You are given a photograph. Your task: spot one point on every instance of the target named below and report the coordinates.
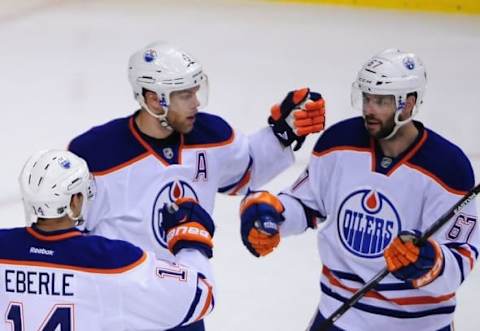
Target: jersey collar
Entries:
(58, 235)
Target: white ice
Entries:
(63, 70)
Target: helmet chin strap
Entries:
(162, 118)
(399, 123)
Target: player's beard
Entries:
(182, 127)
(386, 127)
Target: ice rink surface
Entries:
(63, 70)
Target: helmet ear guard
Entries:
(392, 72)
(163, 68)
(48, 181)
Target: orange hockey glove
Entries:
(188, 225)
(417, 265)
(301, 112)
(261, 216)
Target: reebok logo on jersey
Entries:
(42, 251)
(367, 223)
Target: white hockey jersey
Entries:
(67, 281)
(136, 174)
(365, 200)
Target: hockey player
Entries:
(53, 277)
(168, 150)
(374, 182)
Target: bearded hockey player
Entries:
(375, 183)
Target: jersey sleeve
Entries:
(254, 160)
(302, 209)
(459, 239)
(163, 295)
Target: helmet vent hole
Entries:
(40, 181)
(46, 167)
(29, 179)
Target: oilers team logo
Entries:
(367, 223)
(150, 55)
(64, 163)
(409, 63)
(168, 194)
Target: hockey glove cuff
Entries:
(408, 262)
(301, 112)
(188, 225)
(261, 216)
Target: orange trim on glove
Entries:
(190, 231)
(261, 197)
(435, 271)
(400, 254)
(262, 243)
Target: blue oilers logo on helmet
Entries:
(367, 223)
(150, 55)
(168, 194)
(64, 163)
(409, 63)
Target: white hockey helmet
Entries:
(392, 72)
(163, 68)
(48, 180)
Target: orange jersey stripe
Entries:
(410, 154)
(122, 165)
(208, 301)
(342, 148)
(420, 300)
(76, 268)
(465, 252)
(435, 178)
(145, 144)
(245, 180)
(54, 237)
(222, 143)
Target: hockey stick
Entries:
(442, 220)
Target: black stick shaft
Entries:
(371, 284)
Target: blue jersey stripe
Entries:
(379, 288)
(389, 312)
(459, 260)
(193, 306)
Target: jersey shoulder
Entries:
(107, 146)
(70, 250)
(445, 161)
(209, 130)
(349, 134)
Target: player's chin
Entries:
(185, 128)
(373, 130)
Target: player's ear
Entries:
(150, 97)
(76, 203)
(410, 104)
